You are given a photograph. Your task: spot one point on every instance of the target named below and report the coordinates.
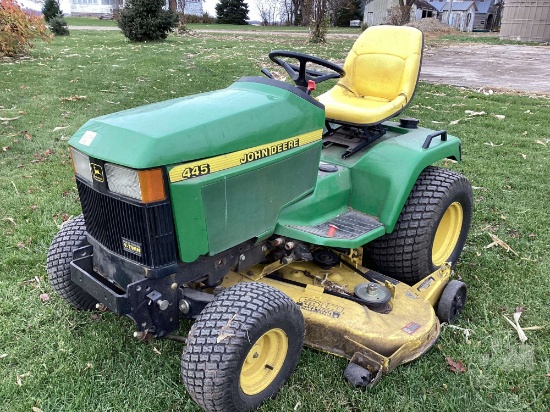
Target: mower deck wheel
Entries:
(71, 236)
(242, 348)
(357, 376)
(452, 301)
(430, 231)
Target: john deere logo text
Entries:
(97, 172)
(270, 151)
(131, 247)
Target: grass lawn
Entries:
(89, 21)
(58, 359)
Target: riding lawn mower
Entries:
(273, 219)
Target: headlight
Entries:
(123, 181)
(144, 185)
(81, 164)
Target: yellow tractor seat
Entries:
(382, 71)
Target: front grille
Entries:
(112, 221)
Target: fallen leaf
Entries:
(536, 141)
(34, 207)
(472, 113)
(156, 351)
(23, 375)
(9, 219)
(524, 133)
(44, 297)
(73, 98)
(521, 334)
(5, 148)
(36, 409)
(28, 136)
(498, 116)
(498, 242)
(455, 366)
(524, 156)
(95, 316)
(528, 112)
(88, 366)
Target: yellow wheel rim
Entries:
(447, 234)
(264, 361)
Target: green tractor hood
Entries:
(250, 112)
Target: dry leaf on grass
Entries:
(472, 113)
(497, 242)
(156, 351)
(515, 324)
(540, 142)
(35, 409)
(498, 116)
(18, 378)
(44, 297)
(9, 219)
(73, 98)
(455, 366)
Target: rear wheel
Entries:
(242, 348)
(71, 236)
(431, 229)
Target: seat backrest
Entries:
(384, 62)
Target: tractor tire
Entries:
(431, 229)
(71, 236)
(242, 348)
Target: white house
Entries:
(105, 7)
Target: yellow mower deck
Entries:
(378, 340)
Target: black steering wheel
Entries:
(299, 74)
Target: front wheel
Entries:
(70, 237)
(242, 348)
(431, 229)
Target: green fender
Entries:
(376, 182)
(383, 179)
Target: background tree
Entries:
(315, 15)
(18, 29)
(270, 11)
(344, 11)
(58, 26)
(400, 14)
(143, 20)
(232, 12)
(51, 10)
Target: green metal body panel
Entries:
(255, 199)
(215, 212)
(244, 115)
(376, 182)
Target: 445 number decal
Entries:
(195, 171)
